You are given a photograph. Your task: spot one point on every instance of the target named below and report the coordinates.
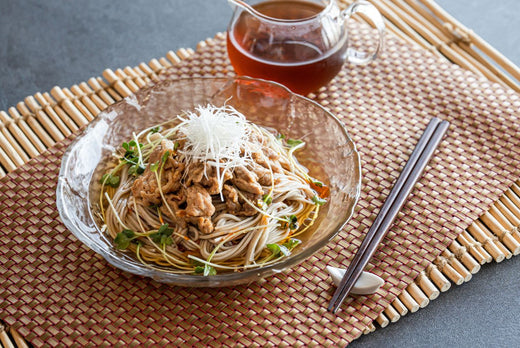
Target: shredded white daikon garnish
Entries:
(217, 136)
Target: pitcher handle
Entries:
(369, 10)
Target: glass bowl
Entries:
(330, 155)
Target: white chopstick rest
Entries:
(367, 283)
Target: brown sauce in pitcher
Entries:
(302, 63)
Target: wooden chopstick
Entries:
(413, 169)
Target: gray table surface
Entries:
(60, 42)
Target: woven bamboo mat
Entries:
(463, 213)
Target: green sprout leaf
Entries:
(318, 201)
(155, 129)
(209, 270)
(316, 183)
(294, 142)
(293, 222)
(124, 238)
(165, 229)
(136, 169)
(110, 180)
(165, 156)
(165, 240)
(274, 249)
(267, 199)
(132, 157)
(205, 270)
(290, 221)
(278, 250)
(129, 156)
(292, 243)
(163, 235)
(169, 241)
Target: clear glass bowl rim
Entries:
(223, 279)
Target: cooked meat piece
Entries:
(236, 205)
(175, 198)
(211, 181)
(171, 175)
(231, 198)
(173, 203)
(263, 174)
(246, 208)
(230, 193)
(260, 158)
(199, 201)
(203, 224)
(211, 184)
(206, 177)
(268, 160)
(195, 173)
(246, 180)
(145, 187)
(275, 157)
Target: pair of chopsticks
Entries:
(413, 169)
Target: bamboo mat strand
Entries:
(44, 119)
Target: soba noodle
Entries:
(207, 192)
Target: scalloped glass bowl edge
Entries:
(329, 151)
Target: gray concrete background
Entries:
(63, 42)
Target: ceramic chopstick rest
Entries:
(367, 284)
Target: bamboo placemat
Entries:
(491, 236)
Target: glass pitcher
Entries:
(301, 44)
